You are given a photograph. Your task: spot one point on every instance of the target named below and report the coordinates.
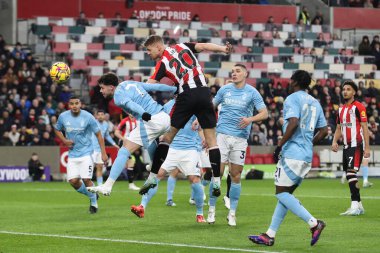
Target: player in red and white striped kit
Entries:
(122, 132)
(352, 126)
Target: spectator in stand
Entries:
(367, 4)
(365, 47)
(82, 21)
(327, 141)
(14, 135)
(36, 168)
(343, 58)
(318, 19)
(226, 19)
(336, 96)
(134, 15)
(292, 40)
(258, 40)
(256, 132)
(242, 25)
(196, 18)
(46, 139)
(285, 21)
(118, 22)
(2, 44)
(375, 40)
(149, 21)
(320, 42)
(376, 54)
(373, 92)
(304, 16)
(229, 39)
(249, 57)
(18, 50)
(270, 25)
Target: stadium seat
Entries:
(271, 50)
(336, 68)
(267, 58)
(41, 30)
(309, 35)
(111, 46)
(349, 74)
(95, 62)
(93, 30)
(287, 28)
(131, 64)
(268, 159)
(195, 25)
(76, 29)
(275, 67)
(236, 34)
(42, 21)
(141, 32)
(227, 26)
(119, 39)
(217, 41)
(61, 47)
(79, 64)
(204, 33)
(165, 24)
(255, 73)
(100, 22)
(60, 29)
(133, 23)
(228, 65)
(278, 43)
(145, 63)
(257, 159)
(128, 47)
(257, 27)
(86, 38)
(309, 67)
(138, 55)
(203, 57)
(355, 67)
(291, 65)
(366, 68)
(260, 65)
(316, 28)
(78, 46)
(95, 47)
(110, 31)
(333, 51)
(96, 70)
(68, 22)
(247, 42)
(321, 66)
(60, 37)
(212, 65)
(79, 54)
(223, 73)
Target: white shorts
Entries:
(187, 161)
(97, 157)
(232, 149)
(146, 132)
(80, 167)
(205, 159)
(290, 172)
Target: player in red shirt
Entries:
(180, 64)
(122, 132)
(352, 126)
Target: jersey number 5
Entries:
(181, 65)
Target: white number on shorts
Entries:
(350, 161)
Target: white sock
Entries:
(217, 180)
(312, 222)
(211, 209)
(271, 233)
(354, 204)
(233, 212)
(109, 182)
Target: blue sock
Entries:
(82, 189)
(365, 172)
(99, 180)
(171, 186)
(151, 150)
(197, 189)
(234, 195)
(278, 216)
(212, 198)
(146, 197)
(119, 163)
(294, 205)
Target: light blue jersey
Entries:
(106, 135)
(133, 97)
(236, 104)
(186, 138)
(310, 114)
(79, 129)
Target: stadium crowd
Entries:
(30, 102)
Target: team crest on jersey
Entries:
(364, 115)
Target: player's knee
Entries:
(75, 182)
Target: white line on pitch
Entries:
(138, 242)
(242, 194)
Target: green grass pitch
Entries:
(52, 217)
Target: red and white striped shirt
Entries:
(126, 126)
(349, 118)
(180, 65)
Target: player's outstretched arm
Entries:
(322, 133)
(337, 135)
(227, 49)
(159, 87)
(102, 146)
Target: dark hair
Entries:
(241, 66)
(100, 110)
(352, 84)
(152, 39)
(302, 78)
(74, 97)
(109, 78)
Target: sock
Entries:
(197, 189)
(355, 204)
(170, 188)
(92, 196)
(208, 175)
(365, 173)
(277, 218)
(205, 182)
(131, 175)
(352, 183)
(146, 197)
(234, 196)
(214, 155)
(228, 185)
(212, 198)
(119, 164)
(152, 149)
(294, 205)
(99, 180)
(159, 157)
